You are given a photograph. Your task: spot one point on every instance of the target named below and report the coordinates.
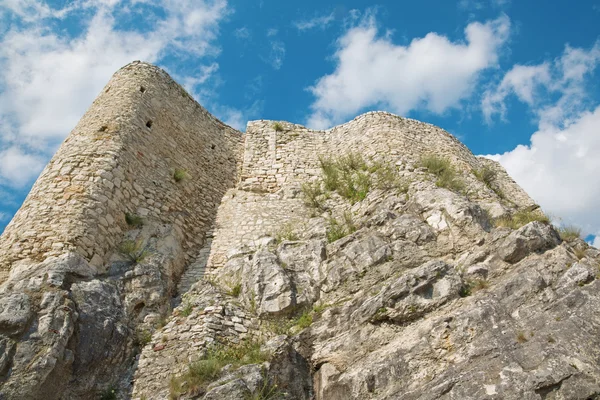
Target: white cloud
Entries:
(242, 33)
(277, 54)
(320, 22)
(521, 80)
(559, 168)
(481, 4)
(49, 79)
(4, 217)
(430, 73)
(18, 168)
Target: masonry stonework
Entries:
(121, 158)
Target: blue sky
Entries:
(516, 80)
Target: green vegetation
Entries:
(134, 251)
(180, 174)
(339, 229)
(235, 290)
(268, 391)
(521, 337)
(109, 394)
(579, 252)
(187, 309)
(302, 319)
(314, 197)
(473, 285)
(278, 127)
(142, 337)
(569, 233)
(521, 218)
(488, 177)
(446, 174)
(134, 220)
(287, 231)
(203, 372)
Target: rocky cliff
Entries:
(162, 254)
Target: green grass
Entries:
(520, 218)
(314, 197)
(187, 309)
(109, 394)
(206, 370)
(339, 229)
(446, 174)
(569, 233)
(486, 175)
(134, 251)
(235, 290)
(180, 174)
(134, 220)
(288, 232)
(142, 337)
(278, 127)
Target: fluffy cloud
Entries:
(559, 168)
(49, 78)
(430, 73)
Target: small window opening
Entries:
(149, 123)
(212, 146)
(103, 128)
(142, 89)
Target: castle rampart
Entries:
(121, 158)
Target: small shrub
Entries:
(235, 290)
(278, 127)
(520, 218)
(305, 320)
(579, 252)
(446, 174)
(434, 164)
(387, 178)
(134, 220)
(142, 337)
(187, 309)
(313, 195)
(180, 174)
(134, 251)
(486, 175)
(208, 369)
(287, 231)
(569, 233)
(339, 229)
(330, 173)
(268, 391)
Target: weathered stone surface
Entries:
(419, 296)
(532, 237)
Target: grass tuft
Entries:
(314, 197)
(134, 220)
(446, 174)
(288, 232)
(208, 369)
(180, 174)
(569, 233)
(520, 218)
(134, 251)
(339, 229)
(278, 127)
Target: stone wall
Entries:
(121, 158)
(277, 162)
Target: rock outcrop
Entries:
(377, 260)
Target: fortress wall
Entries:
(273, 158)
(119, 159)
(285, 159)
